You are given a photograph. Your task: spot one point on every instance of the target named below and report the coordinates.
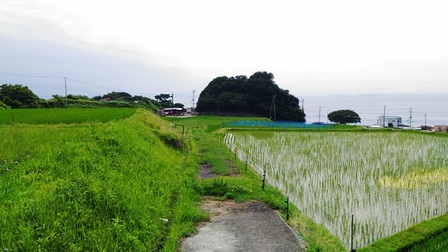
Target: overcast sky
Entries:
(151, 47)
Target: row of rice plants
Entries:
(388, 181)
(68, 116)
(94, 187)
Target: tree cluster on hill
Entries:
(257, 95)
(17, 96)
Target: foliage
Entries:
(163, 100)
(172, 140)
(118, 96)
(18, 96)
(437, 243)
(178, 105)
(344, 116)
(94, 187)
(224, 188)
(3, 106)
(256, 95)
(426, 236)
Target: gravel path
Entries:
(248, 226)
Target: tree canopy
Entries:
(258, 95)
(344, 116)
(116, 96)
(164, 100)
(18, 96)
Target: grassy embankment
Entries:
(110, 184)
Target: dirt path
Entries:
(247, 226)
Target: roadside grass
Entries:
(112, 186)
(67, 116)
(428, 235)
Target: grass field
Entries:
(123, 185)
(67, 116)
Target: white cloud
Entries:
(312, 47)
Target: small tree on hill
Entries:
(344, 116)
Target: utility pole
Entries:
(275, 116)
(410, 117)
(192, 109)
(172, 98)
(65, 81)
(425, 119)
(384, 116)
(303, 105)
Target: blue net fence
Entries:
(278, 124)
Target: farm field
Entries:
(67, 116)
(388, 181)
(121, 183)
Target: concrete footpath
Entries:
(247, 226)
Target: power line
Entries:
(33, 76)
(90, 84)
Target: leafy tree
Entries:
(257, 94)
(164, 100)
(344, 116)
(18, 96)
(178, 105)
(76, 97)
(118, 96)
(57, 102)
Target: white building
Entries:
(389, 121)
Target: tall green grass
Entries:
(112, 186)
(67, 116)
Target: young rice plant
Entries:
(388, 181)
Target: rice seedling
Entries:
(388, 181)
(67, 116)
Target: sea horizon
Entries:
(423, 109)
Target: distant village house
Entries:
(390, 121)
(441, 128)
